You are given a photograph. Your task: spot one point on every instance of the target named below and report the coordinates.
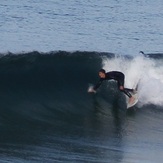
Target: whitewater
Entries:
(145, 72)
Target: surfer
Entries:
(117, 76)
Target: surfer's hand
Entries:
(91, 90)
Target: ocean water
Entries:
(123, 27)
(51, 52)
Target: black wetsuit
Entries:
(119, 77)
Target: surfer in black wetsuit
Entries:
(115, 75)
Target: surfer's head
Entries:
(102, 73)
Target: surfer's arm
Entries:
(98, 85)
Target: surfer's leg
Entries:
(129, 90)
(120, 83)
(126, 92)
(133, 91)
(131, 98)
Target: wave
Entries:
(46, 86)
(51, 86)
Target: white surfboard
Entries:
(133, 102)
(135, 95)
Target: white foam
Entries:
(148, 72)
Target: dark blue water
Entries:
(46, 114)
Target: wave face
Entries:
(44, 95)
(56, 80)
(59, 80)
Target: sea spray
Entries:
(147, 72)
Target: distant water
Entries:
(123, 27)
(50, 52)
